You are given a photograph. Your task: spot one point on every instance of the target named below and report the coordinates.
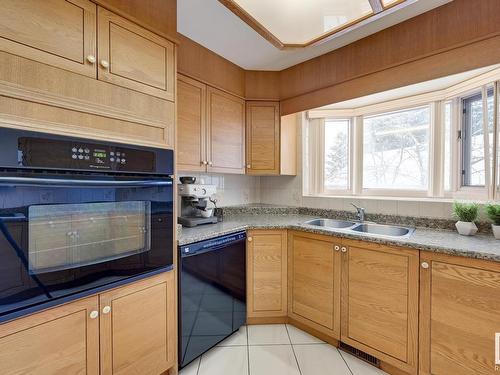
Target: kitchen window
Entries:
(396, 150)
(337, 155)
(435, 145)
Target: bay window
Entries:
(435, 145)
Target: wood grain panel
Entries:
(266, 273)
(158, 16)
(38, 117)
(288, 144)
(263, 138)
(226, 132)
(63, 340)
(191, 124)
(460, 301)
(137, 336)
(314, 282)
(56, 32)
(198, 62)
(31, 81)
(137, 58)
(380, 302)
(262, 85)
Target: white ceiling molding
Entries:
(215, 27)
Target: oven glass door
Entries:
(63, 236)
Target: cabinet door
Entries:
(266, 273)
(380, 302)
(55, 32)
(191, 125)
(226, 132)
(63, 340)
(263, 138)
(459, 315)
(133, 57)
(314, 282)
(138, 333)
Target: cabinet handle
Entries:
(336, 247)
(106, 309)
(425, 265)
(94, 314)
(105, 64)
(250, 239)
(344, 249)
(91, 59)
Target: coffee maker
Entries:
(197, 205)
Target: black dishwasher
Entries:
(212, 293)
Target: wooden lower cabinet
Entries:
(314, 282)
(380, 302)
(266, 274)
(60, 341)
(128, 330)
(459, 315)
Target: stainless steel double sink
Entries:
(364, 227)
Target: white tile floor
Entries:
(277, 349)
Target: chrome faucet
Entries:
(360, 212)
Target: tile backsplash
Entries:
(232, 189)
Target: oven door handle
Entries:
(88, 183)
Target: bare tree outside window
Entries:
(396, 150)
(336, 172)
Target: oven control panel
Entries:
(50, 153)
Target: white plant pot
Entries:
(466, 228)
(496, 231)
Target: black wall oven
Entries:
(78, 217)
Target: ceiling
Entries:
(211, 24)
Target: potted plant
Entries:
(466, 214)
(493, 212)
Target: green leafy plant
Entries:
(493, 212)
(466, 211)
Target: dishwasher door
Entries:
(212, 293)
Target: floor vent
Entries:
(360, 354)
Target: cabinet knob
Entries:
(106, 309)
(105, 64)
(210, 163)
(94, 314)
(344, 249)
(91, 59)
(336, 247)
(425, 265)
(249, 166)
(204, 162)
(250, 239)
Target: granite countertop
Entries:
(442, 241)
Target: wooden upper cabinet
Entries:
(380, 302)
(138, 327)
(60, 341)
(263, 138)
(266, 273)
(133, 57)
(191, 124)
(314, 281)
(54, 32)
(459, 315)
(226, 132)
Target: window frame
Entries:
(436, 101)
